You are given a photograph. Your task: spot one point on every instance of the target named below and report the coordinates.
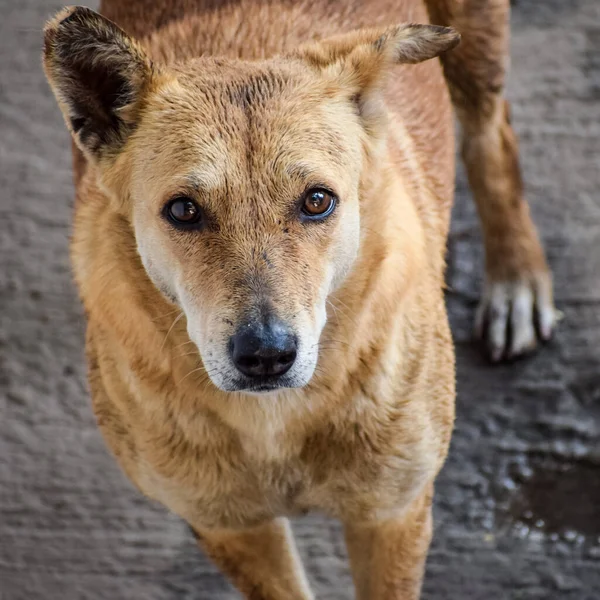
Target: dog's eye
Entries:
(318, 203)
(183, 211)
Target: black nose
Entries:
(263, 349)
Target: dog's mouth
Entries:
(262, 386)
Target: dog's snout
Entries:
(264, 349)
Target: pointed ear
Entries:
(99, 76)
(361, 60)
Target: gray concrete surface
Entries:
(518, 503)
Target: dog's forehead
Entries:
(238, 95)
(219, 85)
(223, 118)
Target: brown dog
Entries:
(263, 200)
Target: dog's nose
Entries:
(263, 349)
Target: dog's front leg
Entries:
(388, 556)
(517, 305)
(261, 562)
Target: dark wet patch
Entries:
(556, 497)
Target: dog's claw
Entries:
(512, 316)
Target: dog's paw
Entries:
(513, 316)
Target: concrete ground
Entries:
(518, 503)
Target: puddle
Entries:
(559, 498)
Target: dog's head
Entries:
(241, 180)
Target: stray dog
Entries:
(263, 200)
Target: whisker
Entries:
(184, 344)
(348, 312)
(345, 305)
(200, 368)
(334, 308)
(339, 342)
(165, 315)
(329, 341)
(328, 347)
(189, 354)
(170, 329)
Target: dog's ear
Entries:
(361, 60)
(99, 76)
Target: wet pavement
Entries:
(518, 502)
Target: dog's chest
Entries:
(227, 487)
(253, 480)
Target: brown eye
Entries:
(183, 212)
(318, 203)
